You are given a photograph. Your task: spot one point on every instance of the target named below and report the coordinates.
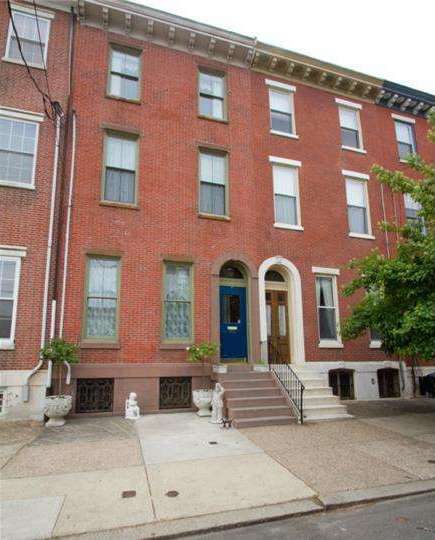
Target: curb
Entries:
(349, 498)
(234, 519)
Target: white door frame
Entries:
(296, 319)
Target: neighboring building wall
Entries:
(25, 212)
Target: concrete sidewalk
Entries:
(171, 473)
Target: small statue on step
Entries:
(132, 411)
(226, 422)
(217, 404)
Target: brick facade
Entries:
(165, 225)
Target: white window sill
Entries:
(403, 161)
(352, 149)
(283, 134)
(288, 227)
(16, 185)
(363, 236)
(330, 344)
(375, 344)
(7, 346)
(21, 63)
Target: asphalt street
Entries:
(410, 518)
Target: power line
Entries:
(41, 49)
(51, 108)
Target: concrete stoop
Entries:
(253, 399)
(319, 402)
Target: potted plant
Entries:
(59, 352)
(202, 396)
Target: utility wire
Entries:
(41, 49)
(52, 108)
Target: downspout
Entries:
(387, 241)
(48, 259)
(68, 225)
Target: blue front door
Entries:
(233, 322)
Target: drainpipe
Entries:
(48, 259)
(387, 242)
(68, 226)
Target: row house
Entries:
(210, 187)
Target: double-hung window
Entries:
(404, 136)
(350, 125)
(33, 36)
(18, 145)
(212, 95)
(412, 211)
(286, 192)
(124, 74)
(213, 181)
(177, 302)
(10, 264)
(281, 103)
(120, 169)
(327, 306)
(357, 204)
(102, 299)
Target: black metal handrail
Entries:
(292, 385)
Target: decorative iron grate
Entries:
(175, 393)
(94, 395)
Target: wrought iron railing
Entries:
(292, 385)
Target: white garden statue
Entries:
(132, 411)
(217, 404)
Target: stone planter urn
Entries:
(56, 407)
(202, 399)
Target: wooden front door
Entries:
(277, 327)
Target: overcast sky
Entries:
(389, 39)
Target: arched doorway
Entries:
(279, 286)
(388, 383)
(277, 317)
(233, 311)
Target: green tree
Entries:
(398, 297)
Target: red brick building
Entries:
(212, 188)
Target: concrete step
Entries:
(232, 368)
(325, 418)
(318, 391)
(324, 411)
(258, 412)
(248, 375)
(256, 401)
(252, 392)
(263, 421)
(314, 400)
(314, 383)
(248, 383)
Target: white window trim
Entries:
(283, 134)
(280, 85)
(30, 118)
(290, 90)
(325, 271)
(375, 344)
(362, 177)
(285, 161)
(348, 104)
(331, 273)
(278, 225)
(359, 150)
(29, 12)
(14, 253)
(403, 118)
(356, 107)
(295, 165)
